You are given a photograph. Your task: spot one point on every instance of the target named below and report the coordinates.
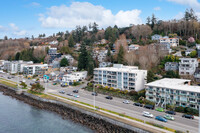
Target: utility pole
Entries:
(94, 94)
(199, 117)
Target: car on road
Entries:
(160, 109)
(188, 116)
(160, 118)
(9, 77)
(171, 112)
(138, 104)
(109, 97)
(148, 106)
(94, 94)
(77, 96)
(54, 83)
(75, 91)
(62, 92)
(69, 94)
(126, 102)
(169, 117)
(147, 114)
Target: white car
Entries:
(126, 102)
(147, 114)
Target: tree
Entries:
(150, 76)
(94, 28)
(120, 55)
(5, 38)
(108, 55)
(24, 85)
(171, 74)
(17, 56)
(153, 21)
(148, 21)
(71, 41)
(64, 62)
(38, 88)
(90, 64)
(82, 60)
(193, 54)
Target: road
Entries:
(117, 105)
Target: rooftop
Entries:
(177, 84)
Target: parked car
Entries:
(62, 92)
(188, 116)
(138, 104)
(171, 112)
(160, 109)
(9, 77)
(169, 117)
(126, 101)
(69, 94)
(94, 94)
(148, 106)
(160, 118)
(147, 114)
(54, 83)
(109, 97)
(77, 96)
(75, 91)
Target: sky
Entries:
(24, 18)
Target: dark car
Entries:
(37, 82)
(9, 77)
(160, 118)
(171, 112)
(148, 106)
(62, 92)
(75, 91)
(138, 104)
(109, 97)
(188, 116)
(69, 94)
(94, 94)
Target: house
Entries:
(173, 91)
(100, 55)
(52, 52)
(187, 66)
(171, 66)
(133, 47)
(53, 42)
(198, 50)
(121, 77)
(178, 54)
(74, 77)
(103, 41)
(69, 58)
(105, 64)
(156, 37)
(174, 42)
(55, 64)
(188, 51)
(197, 75)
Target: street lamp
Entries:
(94, 93)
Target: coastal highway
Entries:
(117, 105)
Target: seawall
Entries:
(96, 122)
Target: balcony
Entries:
(193, 102)
(192, 96)
(148, 94)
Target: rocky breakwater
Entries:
(96, 122)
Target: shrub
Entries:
(133, 93)
(179, 109)
(38, 88)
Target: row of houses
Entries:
(172, 42)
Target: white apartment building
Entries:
(35, 69)
(121, 77)
(177, 92)
(14, 67)
(187, 66)
(74, 77)
(174, 42)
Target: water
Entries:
(18, 117)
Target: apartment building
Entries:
(187, 66)
(52, 52)
(171, 91)
(174, 42)
(121, 77)
(14, 67)
(35, 69)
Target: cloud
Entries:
(13, 26)
(83, 13)
(20, 33)
(180, 15)
(191, 3)
(2, 28)
(34, 4)
(156, 8)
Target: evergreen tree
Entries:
(5, 38)
(82, 60)
(94, 28)
(64, 62)
(153, 21)
(108, 55)
(120, 55)
(150, 76)
(17, 56)
(90, 64)
(71, 41)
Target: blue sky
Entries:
(20, 18)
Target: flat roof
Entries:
(177, 84)
(123, 69)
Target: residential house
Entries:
(74, 77)
(105, 64)
(121, 77)
(187, 66)
(133, 47)
(171, 66)
(53, 54)
(174, 42)
(156, 37)
(188, 51)
(69, 58)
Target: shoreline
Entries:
(94, 121)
